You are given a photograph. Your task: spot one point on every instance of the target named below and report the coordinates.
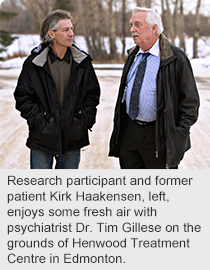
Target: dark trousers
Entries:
(137, 150)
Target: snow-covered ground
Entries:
(25, 43)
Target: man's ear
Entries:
(154, 28)
(51, 34)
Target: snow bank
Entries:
(201, 65)
(23, 44)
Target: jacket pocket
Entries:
(46, 130)
(78, 128)
(181, 132)
(178, 146)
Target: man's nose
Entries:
(132, 29)
(71, 33)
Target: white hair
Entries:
(152, 18)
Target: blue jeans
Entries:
(42, 160)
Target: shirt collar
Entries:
(155, 50)
(54, 57)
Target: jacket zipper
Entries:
(166, 109)
(56, 111)
(156, 124)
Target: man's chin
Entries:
(69, 43)
(135, 41)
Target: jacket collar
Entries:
(77, 54)
(166, 52)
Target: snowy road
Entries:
(15, 155)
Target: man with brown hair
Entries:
(57, 93)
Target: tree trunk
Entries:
(148, 3)
(84, 29)
(112, 34)
(164, 18)
(181, 32)
(139, 3)
(176, 20)
(123, 28)
(144, 3)
(169, 21)
(197, 30)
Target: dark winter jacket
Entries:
(177, 104)
(52, 129)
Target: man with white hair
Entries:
(157, 102)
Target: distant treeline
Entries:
(95, 19)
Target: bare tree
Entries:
(197, 30)
(38, 10)
(164, 17)
(144, 3)
(169, 21)
(176, 21)
(123, 27)
(84, 28)
(139, 3)
(96, 27)
(95, 15)
(112, 33)
(99, 20)
(181, 31)
(90, 20)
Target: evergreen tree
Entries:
(5, 37)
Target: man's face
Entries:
(64, 34)
(143, 35)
